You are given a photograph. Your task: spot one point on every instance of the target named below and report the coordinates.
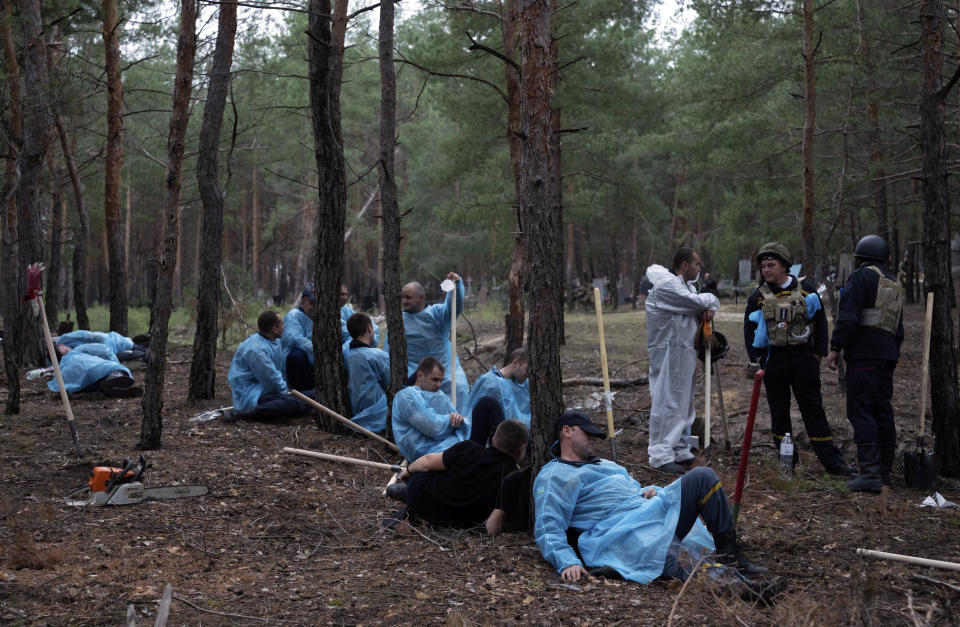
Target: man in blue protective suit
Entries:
(427, 330)
(297, 342)
(94, 368)
(869, 333)
(123, 347)
(674, 309)
(425, 421)
(369, 377)
(345, 312)
(785, 331)
(508, 386)
(639, 533)
(256, 375)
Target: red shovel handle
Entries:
(747, 438)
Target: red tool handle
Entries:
(34, 282)
(747, 438)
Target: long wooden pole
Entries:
(56, 371)
(453, 346)
(723, 411)
(925, 370)
(345, 421)
(708, 377)
(747, 439)
(342, 459)
(909, 559)
(607, 397)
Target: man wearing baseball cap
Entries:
(637, 532)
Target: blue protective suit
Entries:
(428, 335)
(85, 365)
(345, 312)
(257, 368)
(368, 371)
(117, 343)
(760, 337)
(298, 333)
(421, 422)
(514, 398)
(621, 529)
(672, 308)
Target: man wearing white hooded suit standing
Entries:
(674, 309)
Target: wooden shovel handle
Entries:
(925, 366)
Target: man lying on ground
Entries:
(424, 420)
(123, 347)
(93, 368)
(468, 484)
(256, 375)
(638, 533)
(369, 375)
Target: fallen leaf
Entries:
(491, 580)
(528, 600)
(422, 595)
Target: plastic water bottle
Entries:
(786, 457)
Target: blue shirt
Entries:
(258, 367)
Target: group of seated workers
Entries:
(90, 362)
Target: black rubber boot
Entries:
(397, 491)
(730, 554)
(832, 460)
(868, 480)
(887, 457)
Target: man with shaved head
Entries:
(428, 333)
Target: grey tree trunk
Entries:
(79, 262)
(809, 125)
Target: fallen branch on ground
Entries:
(614, 383)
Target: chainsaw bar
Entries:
(130, 494)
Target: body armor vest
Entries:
(786, 317)
(886, 309)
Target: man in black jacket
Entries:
(869, 333)
(785, 330)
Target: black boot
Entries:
(868, 480)
(887, 457)
(397, 491)
(832, 460)
(730, 554)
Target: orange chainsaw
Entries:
(124, 486)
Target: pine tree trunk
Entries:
(945, 404)
(79, 266)
(112, 169)
(809, 124)
(151, 428)
(325, 53)
(51, 301)
(541, 220)
(877, 170)
(255, 231)
(203, 370)
(389, 209)
(515, 316)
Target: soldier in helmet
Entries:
(785, 330)
(869, 333)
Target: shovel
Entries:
(448, 286)
(920, 465)
(747, 439)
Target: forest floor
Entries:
(285, 539)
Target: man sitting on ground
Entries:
(256, 375)
(424, 420)
(508, 386)
(93, 368)
(297, 341)
(468, 484)
(369, 378)
(626, 529)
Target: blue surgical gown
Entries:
(513, 397)
(86, 364)
(421, 422)
(257, 368)
(117, 343)
(428, 335)
(345, 312)
(298, 333)
(621, 528)
(369, 377)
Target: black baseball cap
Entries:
(578, 419)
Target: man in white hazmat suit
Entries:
(673, 309)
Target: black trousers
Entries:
(795, 369)
(300, 373)
(869, 396)
(486, 415)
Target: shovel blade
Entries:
(920, 468)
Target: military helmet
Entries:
(775, 250)
(872, 247)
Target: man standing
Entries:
(256, 374)
(297, 341)
(639, 533)
(869, 333)
(369, 375)
(508, 386)
(427, 331)
(785, 330)
(673, 307)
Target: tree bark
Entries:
(151, 428)
(877, 170)
(541, 220)
(202, 369)
(325, 53)
(389, 209)
(80, 242)
(113, 167)
(515, 317)
(51, 302)
(945, 403)
(809, 123)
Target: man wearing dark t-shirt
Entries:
(467, 484)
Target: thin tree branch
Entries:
(448, 75)
(491, 51)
